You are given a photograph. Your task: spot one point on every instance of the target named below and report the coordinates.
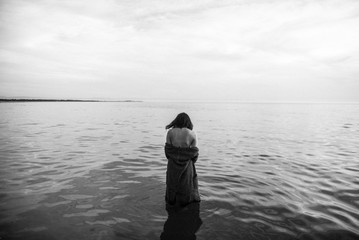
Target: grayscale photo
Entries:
(179, 120)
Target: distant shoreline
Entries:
(62, 100)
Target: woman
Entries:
(182, 152)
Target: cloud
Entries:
(249, 50)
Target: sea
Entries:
(97, 170)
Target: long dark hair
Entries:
(182, 120)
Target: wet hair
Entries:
(182, 120)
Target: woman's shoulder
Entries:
(181, 130)
(190, 132)
(193, 134)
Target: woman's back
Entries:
(181, 137)
(182, 152)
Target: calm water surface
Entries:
(97, 171)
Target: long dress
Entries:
(181, 176)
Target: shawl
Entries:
(181, 175)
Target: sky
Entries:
(205, 50)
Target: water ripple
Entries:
(100, 170)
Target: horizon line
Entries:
(16, 99)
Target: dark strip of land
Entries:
(62, 100)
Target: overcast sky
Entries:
(250, 50)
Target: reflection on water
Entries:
(97, 171)
(182, 222)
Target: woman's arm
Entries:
(168, 137)
(194, 141)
